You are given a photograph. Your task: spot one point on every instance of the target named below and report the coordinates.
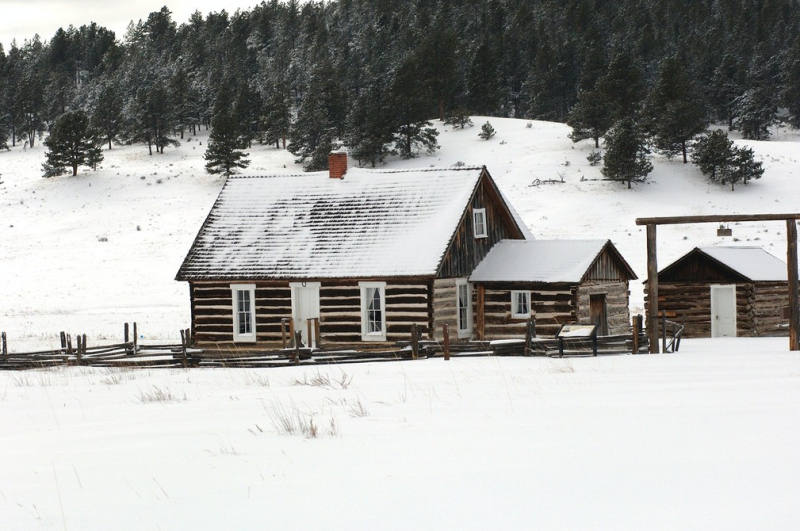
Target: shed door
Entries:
(723, 311)
(305, 306)
(597, 313)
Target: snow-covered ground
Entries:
(703, 439)
(85, 254)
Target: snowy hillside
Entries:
(86, 254)
(702, 439)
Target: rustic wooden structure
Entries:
(791, 264)
(562, 281)
(368, 254)
(757, 279)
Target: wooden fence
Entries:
(131, 353)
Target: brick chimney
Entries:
(337, 164)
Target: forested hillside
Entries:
(371, 74)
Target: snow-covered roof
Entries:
(369, 224)
(539, 261)
(751, 262)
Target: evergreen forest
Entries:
(372, 74)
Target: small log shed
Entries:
(556, 282)
(726, 292)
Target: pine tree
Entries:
(712, 154)
(225, 143)
(72, 143)
(623, 87)
(107, 115)
(591, 116)
(757, 108)
(673, 112)
(277, 117)
(724, 163)
(627, 155)
(745, 167)
(369, 131)
(459, 118)
(407, 111)
(791, 82)
(487, 131)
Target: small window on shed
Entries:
(479, 223)
(520, 304)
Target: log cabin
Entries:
(726, 292)
(365, 253)
(554, 281)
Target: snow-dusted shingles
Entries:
(538, 261)
(369, 224)
(752, 262)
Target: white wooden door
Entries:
(305, 306)
(723, 311)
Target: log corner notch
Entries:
(791, 254)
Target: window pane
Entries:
(374, 311)
(463, 307)
(244, 311)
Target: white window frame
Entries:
(251, 336)
(372, 336)
(514, 300)
(463, 333)
(476, 214)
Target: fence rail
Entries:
(131, 353)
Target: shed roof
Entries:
(369, 224)
(753, 263)
(543, 261)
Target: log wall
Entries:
(769, 300)
(466, 251)
(407, 302)
(617, 304)
(552, 305)
(693, 300)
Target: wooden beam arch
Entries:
(791, 259)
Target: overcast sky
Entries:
(22, 19)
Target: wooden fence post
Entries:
(297, 340)
(414, 342)
(664, 331)
(63, 343)
(283, 331)
(135, 339)
(78, 357)
(530, 333)
(309, 327)
(69, 345)
(446, 342)
(3, 346)
(127, 340)
(184, 360)
(316, 332)
(637, 324)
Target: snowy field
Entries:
(704, 439)
(86, 254)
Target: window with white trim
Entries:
(463, 308)
(244, 312)
(520, 304)
(373, 311)
(479, 223)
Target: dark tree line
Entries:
(372, 75)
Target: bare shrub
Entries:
(357, 409)
(157, 394)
